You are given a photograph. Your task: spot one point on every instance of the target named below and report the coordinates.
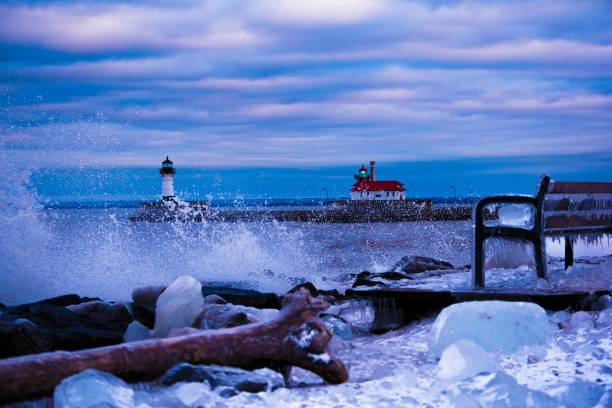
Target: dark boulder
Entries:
(214, 300)
(306, 285)
(48, 325)
(403, 269)
(392, 275)
(18, 335)
(143, 304)
(330, 295)
(415, 264)
(365, 279)
(144, 300)
(219, 316)
(232, 380)
(244, 297)
(100, 310)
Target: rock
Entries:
(391, 275)
(97, 309)
(93, 389)
(415, 264)
(136, 331)
(64, 300)
(143, 304)
(407, 266)
(314, 291)
(52, 326)
(218, 316)
(337, 325)
(231, 380)
(178, 305)
(21, 336)
(147, 295)
(493, 325)
(306, 285)
(464, 359)
(244, 297)
(214, 300)
(365, 279)
(604, 302)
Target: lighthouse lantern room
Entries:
(167, 172)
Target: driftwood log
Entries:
(297, 337)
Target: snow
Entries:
(178, 305)
(464, 359)
(320, 358)
(493, 325)
(304, 337)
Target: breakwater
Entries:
(335, 212)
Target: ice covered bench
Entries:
(560, 208)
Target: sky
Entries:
(468, 93)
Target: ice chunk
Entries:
(581, 320)
(493, 325)
(516, 215)
(190, 393)
(93, 388)
(581, 394)
(512, 215)
(338, 326)
(605, 318)
(464, 359)
(178, 305)
(136, 331)
(502, 390)
(508, 253)
(562, 316)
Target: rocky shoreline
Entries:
(70, 322)
(185, 308)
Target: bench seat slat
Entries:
(575, 221)
(579, 187)
(579, 203)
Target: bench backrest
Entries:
(576, 207)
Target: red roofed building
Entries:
(368, 188)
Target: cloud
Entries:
(256, 83)
(318, 12)
(99, 27)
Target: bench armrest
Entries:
(478, 211)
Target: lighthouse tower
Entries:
(167, 171)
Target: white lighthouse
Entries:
(167, 171)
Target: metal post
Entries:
(569, 252)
